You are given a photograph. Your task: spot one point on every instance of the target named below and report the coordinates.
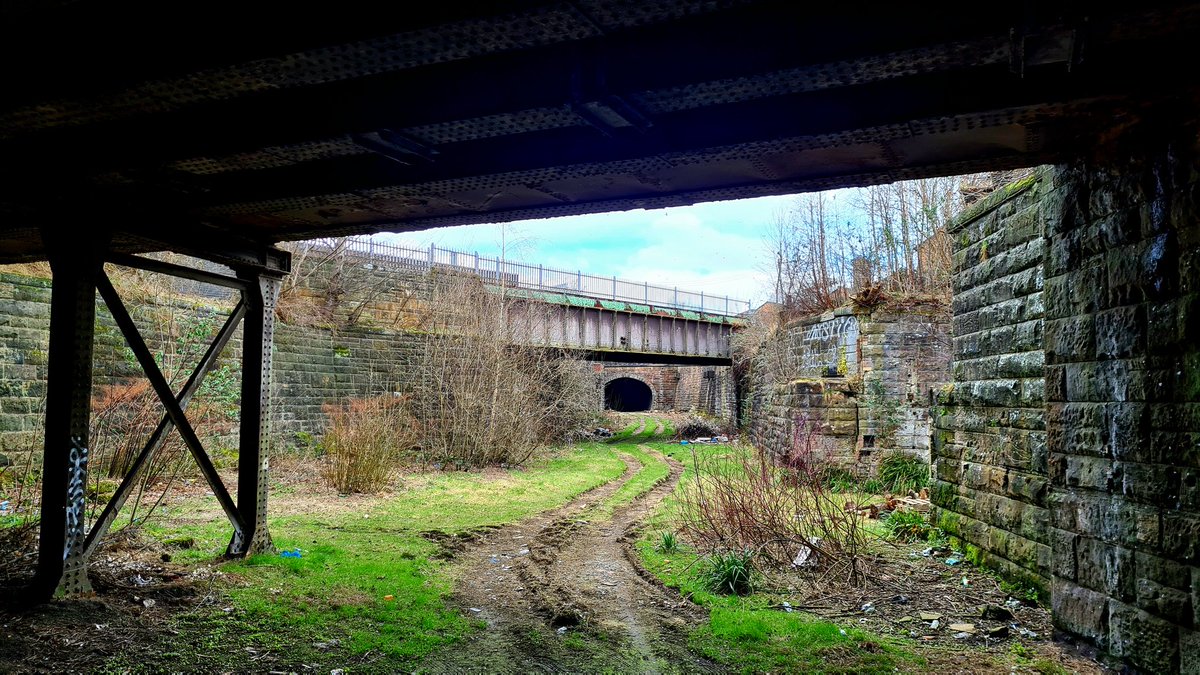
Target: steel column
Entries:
(62, 566)
(257, 337)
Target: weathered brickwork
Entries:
(315, 366)
(703, 389)
(990, 444)
(862, 380)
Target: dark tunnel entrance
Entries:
(626, 394)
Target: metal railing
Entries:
(542, 278)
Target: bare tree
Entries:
(892, 240)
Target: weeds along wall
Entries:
(863, 379)
(312, 364)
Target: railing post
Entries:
(701, 301)
(432, 249)
(727, 304)
(539, 276)
(578, 280)
(646, 291)
(614, 294)
(676, 296)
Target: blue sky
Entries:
(720, 248)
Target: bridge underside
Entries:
(272, 127)
(239, 127)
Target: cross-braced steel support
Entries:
(65, 543)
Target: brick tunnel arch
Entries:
(628, 394)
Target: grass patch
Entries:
(372, 582)
(651, 472)
(756, 641)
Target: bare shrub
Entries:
(697, 427)
(781, 510)
(494, 390)
(365, 440)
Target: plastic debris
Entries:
(842, 631)
(4, 506)
(476, 610)
(787, 606)
(294, 553)
(389, 597)
(805, 555)
(683, 443)
(935, 624)
(952, 561)
(868, 607)
(900, 599)
(149, 602)
(562, 630)
(961, 635)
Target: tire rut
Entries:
(564, 592)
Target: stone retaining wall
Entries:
(990, 446)
(863, 381)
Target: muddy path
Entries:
(561, 592)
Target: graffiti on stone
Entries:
(825, 345)
(76, 493)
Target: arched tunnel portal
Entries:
(626, 394)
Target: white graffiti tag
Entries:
(76, 482)
(824, 345)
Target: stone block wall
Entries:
(863, 381)
(1122, 304)
(1068, 448)
(315, 366)
(990, 470)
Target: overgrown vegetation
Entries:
(730, 572)
(489, 394)
(780, 509)
(907, 526)
(365, 440)
(902, 473)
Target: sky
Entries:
(720, 248)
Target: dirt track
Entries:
(560, 593)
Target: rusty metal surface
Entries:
(279, 127)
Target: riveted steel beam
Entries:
(61, 567)
(257, 336)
